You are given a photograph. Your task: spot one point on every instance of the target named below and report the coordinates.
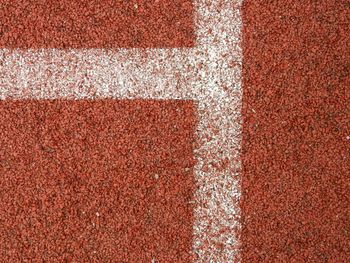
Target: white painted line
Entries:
(210, 73)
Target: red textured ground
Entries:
(112, 180)
(296, 134)
(96, 24)
(96, 181)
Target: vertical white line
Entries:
(219, 132)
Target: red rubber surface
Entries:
(96, 181)
(96, 24)
(296, 132)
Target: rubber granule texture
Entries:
(296, 134)
(96, 24)
(96, 181)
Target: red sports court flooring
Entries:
(174, 131)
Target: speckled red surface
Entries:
(296, 131)
(96, 24)
(112, 181)
(96, 181)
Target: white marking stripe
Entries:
(210, 73)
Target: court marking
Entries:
(210, 74)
